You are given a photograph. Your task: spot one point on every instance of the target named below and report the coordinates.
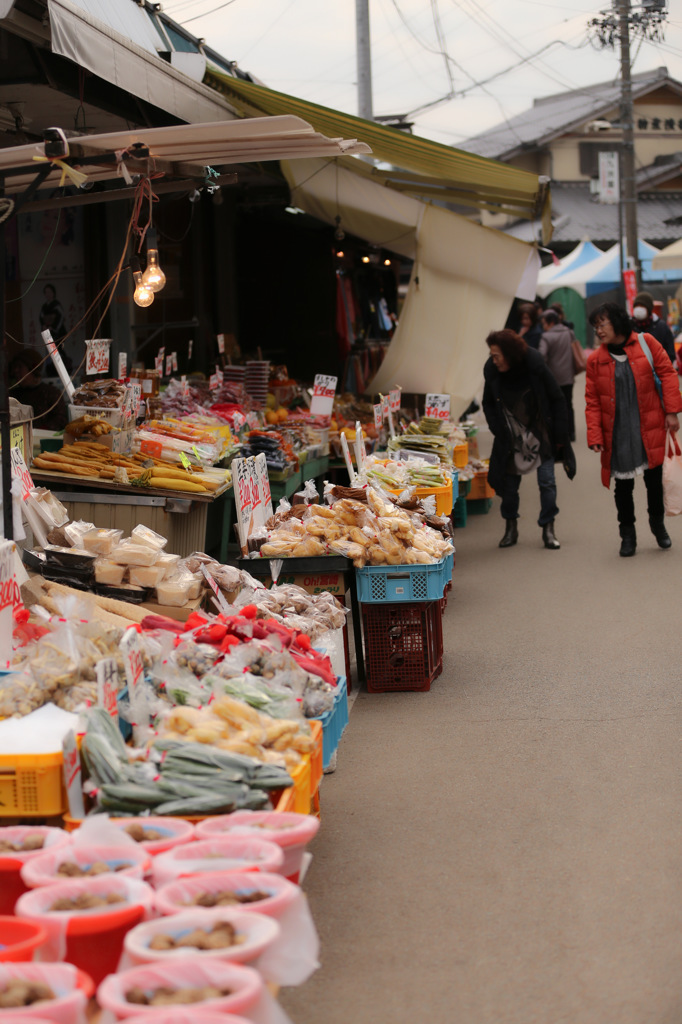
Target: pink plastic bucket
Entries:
(290, 831)
(90, 939)
(255, 934)
(11, 883)
(65, 982)
(227, 853)
(175, 897)
(174, 832)
(184, 1015)
(43, 870)
(245, 985)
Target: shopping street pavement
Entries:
(507, 849)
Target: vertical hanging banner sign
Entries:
(437, 407)
(97, 356)
(324, 389)
(630, 285)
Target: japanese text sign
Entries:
(107, 686)
(395, 399)
(378, 415)
(221, 343)
(9, 597)
(97, 356)
(122, 365)
(134, 669)
(324, 389)
(20, 472)
(438, 407)
(72, 775)
(216, 589)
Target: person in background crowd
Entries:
(558, 308)
(627, 420)
(49, 407)
(526, 413)
(530, 328)
(644, 319)
(555, 348)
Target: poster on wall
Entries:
(50, 250)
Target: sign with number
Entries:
(395, 399)
(324, 389)
(72, 775)
(378, 415)
(385, 406)
(438, 407)
(174, 357)
(122, 365)
(185, 385)
(169, 365)
(107, 686)
(214, 382)
(247, 498)
(97, 356)
(158, 366)
(221, 343)
(136, 397)
(20, 472)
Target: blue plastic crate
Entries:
(334, 722)
(459, 514)
(391, 584)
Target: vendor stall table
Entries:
(284, 488)
(177, 515)
(325, 564)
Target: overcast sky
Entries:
(307, 48)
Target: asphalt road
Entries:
(507, 847)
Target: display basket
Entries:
(403, 645)
(31, 785)
(480, 488)
(389, 584)
(459, 513)
(117, 417)
(460, 455)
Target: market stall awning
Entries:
(180, 150)
(464, 278)
(427, 169)
(669, 258)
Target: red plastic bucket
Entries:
(19, 939)
(71, 989)
(178, 1015)
(92, 940)
(43, 870)
(11, 884)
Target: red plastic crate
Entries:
(403, 645)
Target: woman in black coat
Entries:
(527, 415)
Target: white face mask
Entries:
(640, 313)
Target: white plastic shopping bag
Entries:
(672, 476)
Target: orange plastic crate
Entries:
(480, 488)
(461, 455)
(31, 785)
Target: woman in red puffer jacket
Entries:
(627, 420)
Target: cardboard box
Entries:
(313, 583)
(119, 441)
(179, 614)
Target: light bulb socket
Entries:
(152, 242)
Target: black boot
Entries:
(511, 534)
(659, 531)
(548, 538)
(628, 544)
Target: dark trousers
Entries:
(568, 395)
(625, 500)
(509, 507)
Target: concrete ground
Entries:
(507, 847)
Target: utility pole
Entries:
(364, 59)
(628, 182)
(645, 20)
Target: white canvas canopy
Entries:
(669, 258)
(463, 282)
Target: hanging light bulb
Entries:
(340, 253)
(153, 277)
(339, 233)
(387, 263)
(365, 259)
(143, 295)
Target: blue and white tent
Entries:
(604, 273)
(551, 276)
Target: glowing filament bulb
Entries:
(154, 277)
(143, 295)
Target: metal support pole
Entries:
(627, 117)
(364, 59)
(8, 525)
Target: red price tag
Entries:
(395, 400)
(378, 415)
(153, 448)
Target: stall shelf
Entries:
(325, 564)
(176, 515)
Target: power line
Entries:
(268, 29)
(206, 13)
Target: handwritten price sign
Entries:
(438, 407)
(20, 472)
(122, 365)
(324, 389)
(378, 415)
(97, 356)
(221, 343)
(107, 686)
(394, 397)
(72, 775)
